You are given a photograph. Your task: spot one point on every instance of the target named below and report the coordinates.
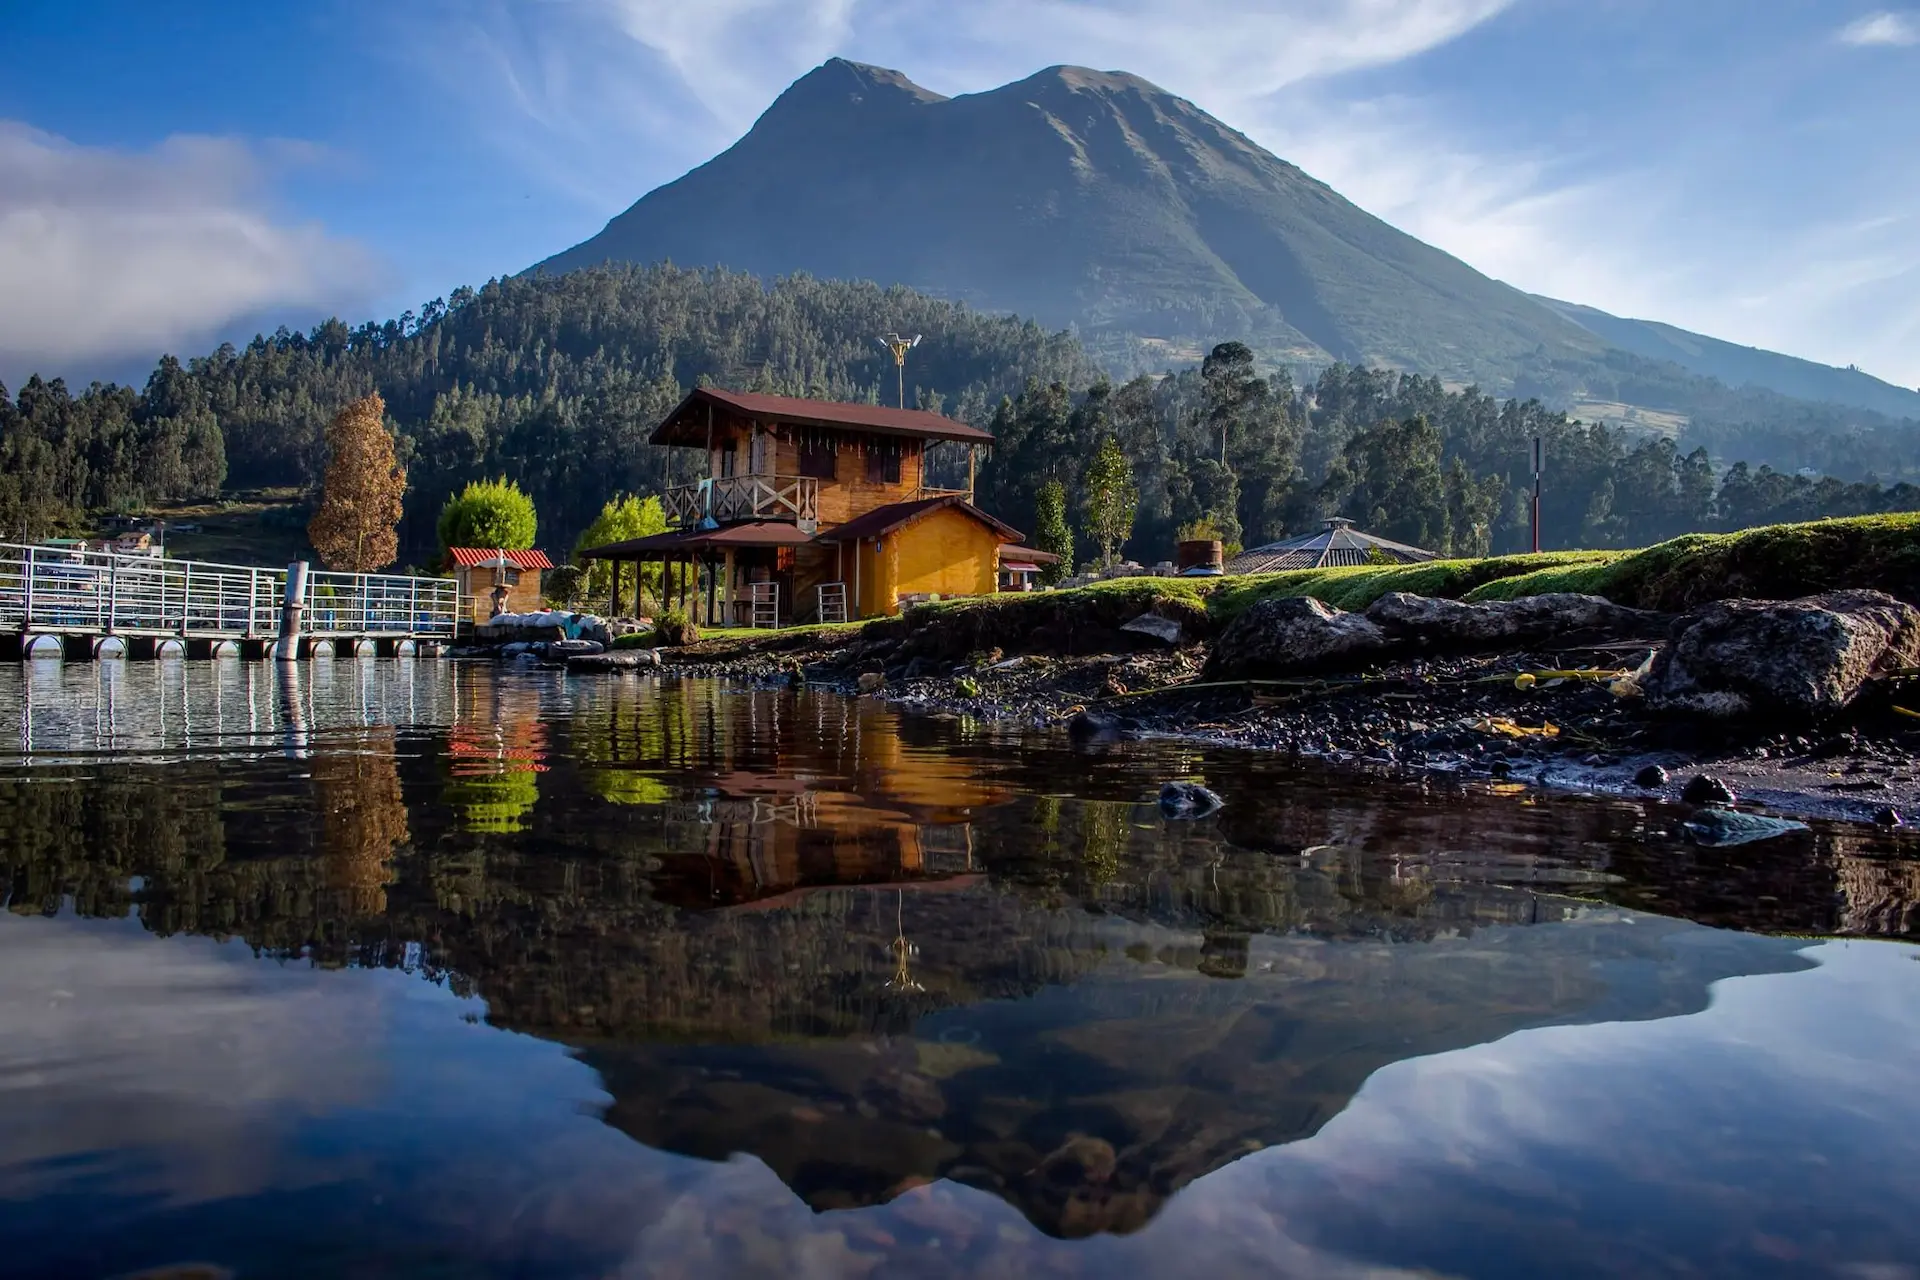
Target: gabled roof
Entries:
(468, 557)
(687, 424)
(884, 520)
(1339, 543)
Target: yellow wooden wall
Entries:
(947, 553)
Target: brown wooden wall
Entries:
(848, 494)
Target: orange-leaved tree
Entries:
(355, 527)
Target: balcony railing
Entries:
(729, 498)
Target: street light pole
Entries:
(899, 346)
(1539, 465)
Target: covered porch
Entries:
(737, 576)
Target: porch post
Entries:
(613, 594)
(639, 577)
(726, 592)
(712, 585)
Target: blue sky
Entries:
(171, 174)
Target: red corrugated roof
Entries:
(468, 557)
(687, 424)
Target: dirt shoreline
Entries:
(1468, 720)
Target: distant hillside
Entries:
(1739, 366)
(1080, 197)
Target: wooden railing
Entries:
(728, 498)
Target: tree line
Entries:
(554, 383)
(1251, 458)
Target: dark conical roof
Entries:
(1337, 544)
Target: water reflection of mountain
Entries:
(874, 951)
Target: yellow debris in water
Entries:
(1525, 680)
(1506, 728)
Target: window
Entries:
(883, 463)
(816, 457)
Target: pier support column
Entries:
(287, 648)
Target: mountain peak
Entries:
(841, 80)
(1087, 79)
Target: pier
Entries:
(97, 604)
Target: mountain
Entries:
(1087, 198)
(1739, 366)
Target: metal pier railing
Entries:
(60, 591)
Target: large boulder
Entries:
(1293, 635)
(1792, 659)
(1455, 626)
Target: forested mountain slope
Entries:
(1081, 197)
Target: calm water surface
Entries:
(400, 969)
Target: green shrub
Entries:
(492, 514)
(673, 629)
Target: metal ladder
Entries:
(833, 602)
(764, 604)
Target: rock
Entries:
(1651, 778)
(618, 660)
(567, 648)
(1294, 634)
(1093, 726)
(1456, 626)
(1888, 817)
(1167, 631)
(1790, 659)
(1188, 800)
(1705, 789)
(870, 682)
(1728, 826)
(515, 649)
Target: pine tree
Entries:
(360, 501)
(1112, 499)
(1051, 531)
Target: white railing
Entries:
(727, 498)
(56, 589)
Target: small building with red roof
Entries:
(484, 573)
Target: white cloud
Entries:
(1882, 29)
(109, 255)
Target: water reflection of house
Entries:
(754, 836)
(763, 794)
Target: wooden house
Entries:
(812, 510)
(480, 570)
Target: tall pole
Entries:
(1539, 465)
(899, 346)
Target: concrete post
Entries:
(287, 649)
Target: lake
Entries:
(395, 968)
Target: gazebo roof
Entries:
(1339, 543)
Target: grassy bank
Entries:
(1775, 561)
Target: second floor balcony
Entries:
(729, 498)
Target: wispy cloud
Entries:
(1885, 28)
(600, 96)
(126, 254)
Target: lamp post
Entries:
(1539, 465)
(899, 346)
